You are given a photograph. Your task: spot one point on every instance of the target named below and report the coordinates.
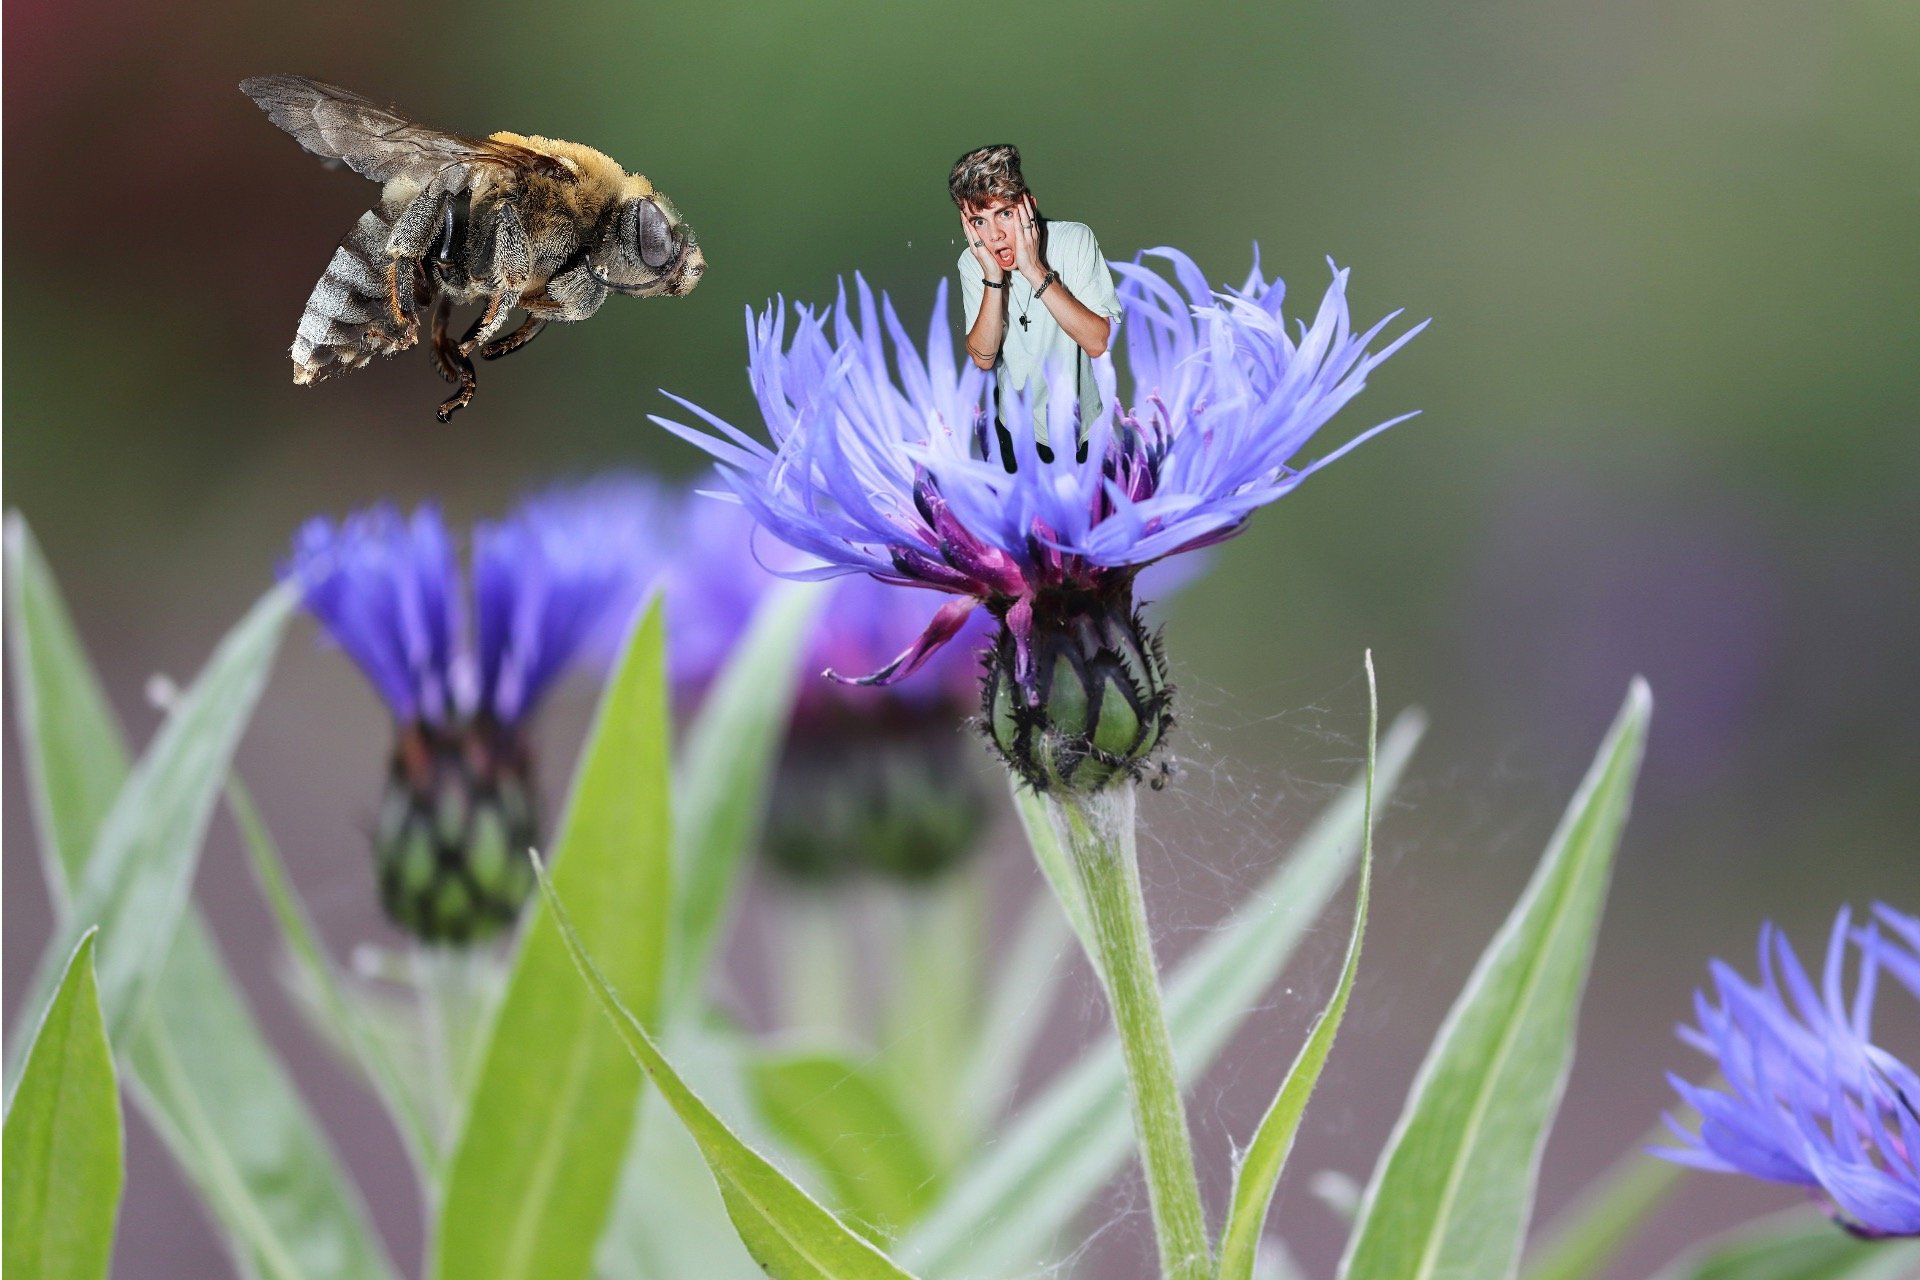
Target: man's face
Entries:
(993, 224)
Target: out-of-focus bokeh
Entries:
(1671, 425)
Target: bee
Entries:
(509, 221)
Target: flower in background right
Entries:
(1808, 1098)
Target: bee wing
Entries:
(379, 143)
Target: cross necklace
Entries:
(1024, 313)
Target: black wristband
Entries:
(1004, 284)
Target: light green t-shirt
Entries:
(1027, 350)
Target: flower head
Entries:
(1809, 1098)
(560, 571)
(883, 462)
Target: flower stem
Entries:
(1098, 832)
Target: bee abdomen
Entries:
(349, 317)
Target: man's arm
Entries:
(1085, 327)
(989, 312)
(989, 328)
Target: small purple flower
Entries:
(557, 575)
(886, 464)
(1809, 1098)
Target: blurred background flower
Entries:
(463, 657)
(1669, 251)
(1809, 1098)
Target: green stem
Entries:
(1098, 833)
(931, 1012)
(813, 957)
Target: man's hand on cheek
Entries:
(1028, 259)
(989, 262)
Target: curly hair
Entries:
(987, 173)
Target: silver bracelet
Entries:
(1046, 283)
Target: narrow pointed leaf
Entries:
(206, 1079)
(1005, 1208)
(537, 1163)
(1259, 1168)
(669, 1218)
(786, 1230)
(199, 1068)
(317, 974)
(62, 1147)
(1796, 1246)
(77, 762)
(1453, 1191)
(841, 1116)
(727, 761)
(138, 879)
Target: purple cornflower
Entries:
(1809, 1098)
(890, 467)
(560, 572)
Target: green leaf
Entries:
(77, 761)
(669, 1220)
(720, 788)
(1606, 1217)
(1454, 1188)
(199, 1069)
(842, 1116)
(207, 1081)
(1004, 1209)
(786, 1230)
(62, 1145)
(1258, 1172)
(1796, 1246)
(538, 1159)
(138, 879)
(318, 978)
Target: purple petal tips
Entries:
(1809, 1098)
(560, 569)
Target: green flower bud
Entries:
(450, 845)
(892, 796)
(1090, 704)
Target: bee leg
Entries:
(512, 265)
(529, 329)
(574, 294)
(452, 364)
(512, 251)
(491, 321)
(413, 232)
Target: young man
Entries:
(1037, 295)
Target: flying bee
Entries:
(510, 221)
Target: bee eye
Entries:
(653, 236)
